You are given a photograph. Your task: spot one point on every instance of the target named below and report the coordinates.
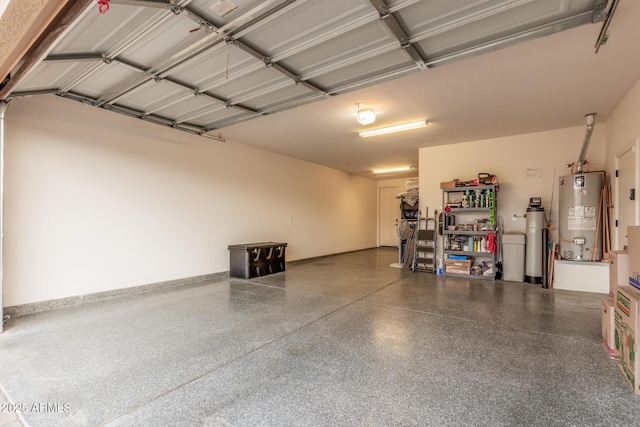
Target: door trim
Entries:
(634, 148)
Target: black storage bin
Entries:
(256, 259)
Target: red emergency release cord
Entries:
(490, 243)
(103, 6)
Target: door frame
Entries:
(634, 148)
(3, 109)
(380, 207)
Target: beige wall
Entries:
(95, 201)
(623, 125)
(623, 128)
(525, 166)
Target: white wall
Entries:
(623, 126)
(525, 166)
(95, 201)
(623, 129)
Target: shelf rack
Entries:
(487, 211)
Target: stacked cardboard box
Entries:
(608, 326)
(458, 266)
(626, 334)
(618, 276)
(627, 310)
(618, 270)
(633, 238)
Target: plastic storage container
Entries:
(250, 260)
(513, 256)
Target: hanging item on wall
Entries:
(103, 6)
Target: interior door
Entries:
(388, 214)
(626, 204)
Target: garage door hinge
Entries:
(616, 173)
(599, 11)
(616, 222)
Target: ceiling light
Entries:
(396, 128)
(404, 168)
(366, 116)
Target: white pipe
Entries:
(3, 108)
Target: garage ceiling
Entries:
(221, 69)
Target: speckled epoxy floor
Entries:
(342, 340)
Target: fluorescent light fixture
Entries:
(365, 116)
(404, 168)
(392, 129)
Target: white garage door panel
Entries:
(252, 55)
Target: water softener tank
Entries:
(579, 205)
(534, 250)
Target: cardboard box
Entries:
(633, 237)
(609, 326)
(618, 270)
(458, 266)
(448, 184)
(626, 334)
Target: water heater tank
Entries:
(579, 205)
